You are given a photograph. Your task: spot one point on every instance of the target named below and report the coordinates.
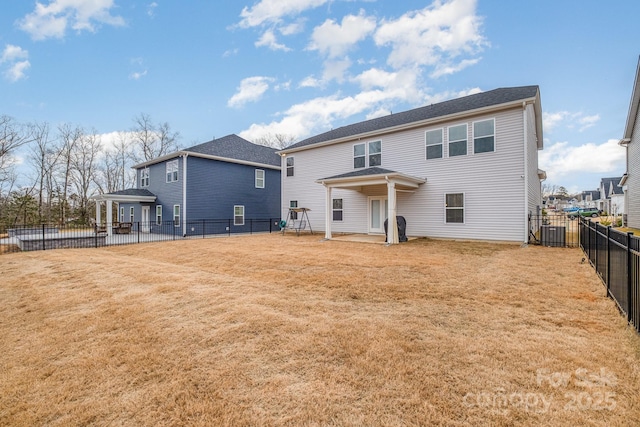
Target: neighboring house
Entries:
(589, 199)
(630, 181)
(611, 196)
(225, 178)
(439, 166)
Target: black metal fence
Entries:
(554, 229)
(616, 258)
(47, 236)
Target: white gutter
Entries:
(184, 193)
(526, 173)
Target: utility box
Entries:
(551, 235)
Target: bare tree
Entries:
(12, 136)
(69, 138)
(151, 141)
(276, 140)
(84, 163)
(44, 157)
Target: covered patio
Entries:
(131, 195)
(374, 177)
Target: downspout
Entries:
(526, 174)
(184, 194)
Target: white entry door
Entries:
(145, 219)
(378, 208)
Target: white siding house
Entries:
(630, 182)
(461, 169)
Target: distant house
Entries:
(630, 181)
(439, 166)
(611, 196)
(228, 177)
(589, 199)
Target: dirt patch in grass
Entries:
(286, 330)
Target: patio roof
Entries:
(372, 176)
(131, 195)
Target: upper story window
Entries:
(484, 136)
(259, 178)
(367, 154)
(144, 177)
(434, 144)
(172, 170)
(458, 140)
(290, 166)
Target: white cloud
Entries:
(561, 159)
(12, 53)
(151, 9)
(570, 120)
(137, 75)
(251, 89)
(272, 11)
(335, 70)
(335, 40)
(319, 114)
(444, 69)
(16, 58)
(269, 39)
(439, 33)
(310, 81)
(53, 19)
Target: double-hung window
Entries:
(454, 207)
(367, 154)
(434, 144)
(172, 170)
(259, 178)
(144, 177)
(121, 213)
(484, 136)
(337, 209)
(131, 216)
(458, 140)
(238, 215)
(293, 204)
(290, 162)
(176, 215)
(158, 214)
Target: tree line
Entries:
(69, 164)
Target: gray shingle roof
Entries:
(134, 192)
(363, 172)
(234, 147)
(466, 103)
(606, 184)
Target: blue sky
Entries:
(300, 67)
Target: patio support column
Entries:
(328, 217)
(392, 224)
(109, 219)
(98, 215)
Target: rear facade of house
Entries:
(461, 169)
(227, 178)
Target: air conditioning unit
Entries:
(552, 235)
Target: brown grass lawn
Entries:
(284, 330)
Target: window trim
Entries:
(367, 154)
(427, 145)
(172, 175)
(236, 216)
(144, 177)
(335, 210)
(466, 140)
(462, 208)
(473, 131)
(294, 215)
(290, 167)
(121, 213)
(158, 214)
(258, 179)
(131, 214)
(176, 222)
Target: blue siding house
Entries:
(228, 178)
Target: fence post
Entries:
(44, 242)
(629, 279)
(596, 248)
(203, 226)
(251, 226)
(229, 227)
(608, 278)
